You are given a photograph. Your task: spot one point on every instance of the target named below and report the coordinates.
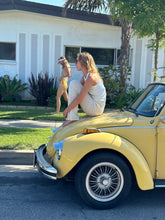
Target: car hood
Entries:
(113, 119)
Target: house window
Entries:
(116, 56)
(7, 51)
(71, 53)
(101, 56)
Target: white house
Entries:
(33, 36)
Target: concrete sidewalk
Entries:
(29, 123)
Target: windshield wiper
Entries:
(132, 110)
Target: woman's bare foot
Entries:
(67, 122)
(54, 113)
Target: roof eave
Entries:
(55, 11)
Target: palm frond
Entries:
(86, 5)
(10, 87)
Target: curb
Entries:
(16, 157)
(17, 151)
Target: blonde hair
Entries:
(64, 62)
(88, 62)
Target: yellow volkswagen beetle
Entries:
(107, 153)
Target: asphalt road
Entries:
(26, 194)
(10, 157)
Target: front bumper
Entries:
(43, 166)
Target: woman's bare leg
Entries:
(65, 95)
(60, 92)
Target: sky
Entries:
(50, 2)
(56, 3)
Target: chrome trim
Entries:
(159, 185)
(43, 166)
(126, 127)
(104, 182)
(162, 119)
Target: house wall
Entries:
(41, 39)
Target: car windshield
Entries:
(150, 102)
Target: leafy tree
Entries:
(119, 10)
(149, 21)
(114, 98)
(147, 17)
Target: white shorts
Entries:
(88, 104)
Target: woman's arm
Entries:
(91, 81)
(67, 71)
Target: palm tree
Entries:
(119, 10)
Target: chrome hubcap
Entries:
(104, 181)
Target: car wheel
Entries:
(103, 180)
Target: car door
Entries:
(160, 167)
(161, 148)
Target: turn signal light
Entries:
(91, 130)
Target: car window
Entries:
(160, 99)
(152, 101)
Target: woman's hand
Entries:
(65, 113)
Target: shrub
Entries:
(42, 87)
(10, 89)
(128, 97)
(52, 101)
(117, 97)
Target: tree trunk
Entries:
(156, 55)
(125, 51)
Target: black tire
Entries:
(103, 180)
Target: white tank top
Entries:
(97, 92)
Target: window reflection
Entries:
(7, 51)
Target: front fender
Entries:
(76, 147)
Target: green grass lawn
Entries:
(23, 138)
(29, 114)
(26, 138)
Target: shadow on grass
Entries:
(30, 114)
(17, 131)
